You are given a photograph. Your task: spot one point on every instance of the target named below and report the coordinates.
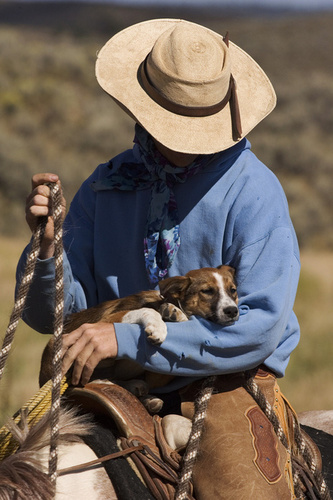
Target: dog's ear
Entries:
(230, 269)
(174, 287)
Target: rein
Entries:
(22, 294)
(19, 305)
(57, 329)
(99, 461)
(192, 448)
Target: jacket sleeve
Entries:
(78, 245)
(267, 330)
(39, 307)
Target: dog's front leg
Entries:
(152, 322)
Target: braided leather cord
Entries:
(59, 384)
(200, 410)
(22, 294)
(57, 328)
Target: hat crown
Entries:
(190, 65)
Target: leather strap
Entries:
(112, 400)
(195, 111)
(87, 465)
(179, 109)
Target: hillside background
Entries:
(54, 117)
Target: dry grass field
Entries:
(309, 378)
(308, 383)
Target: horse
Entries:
(24, 474)
(318, 419)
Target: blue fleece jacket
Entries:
(232, 212)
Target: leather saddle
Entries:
(156, 463)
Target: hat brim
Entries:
(117, 68)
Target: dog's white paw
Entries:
(170, 312)
(152, 322)
(156, 331)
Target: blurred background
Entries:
(54, 117)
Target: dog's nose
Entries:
(231, 311)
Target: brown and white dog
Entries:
(210, 293)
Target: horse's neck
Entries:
(91, 484)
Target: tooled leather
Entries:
(130, 416)
(264, 443)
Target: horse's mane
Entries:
(23, 475)
(21, 478)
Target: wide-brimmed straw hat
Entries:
(189, 87)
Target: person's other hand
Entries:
(85, 347)
(39, 204)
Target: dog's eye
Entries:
(207, 291)
(233, 290)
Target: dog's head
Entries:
(209, 292)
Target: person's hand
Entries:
(85, 347)
(38, 204)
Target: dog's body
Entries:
(208, 292)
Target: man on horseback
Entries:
(190, 194)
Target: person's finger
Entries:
(77, 347)
(80, 365)
(72, 345)
(42, 192)
(91, 363)
(43, 178)
(85, 347)
(37, 204)
(68, 339)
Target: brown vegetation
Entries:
(54, 116)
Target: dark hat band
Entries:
(193, 111)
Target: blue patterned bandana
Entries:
(161, 239)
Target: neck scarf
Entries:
(155, 172)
